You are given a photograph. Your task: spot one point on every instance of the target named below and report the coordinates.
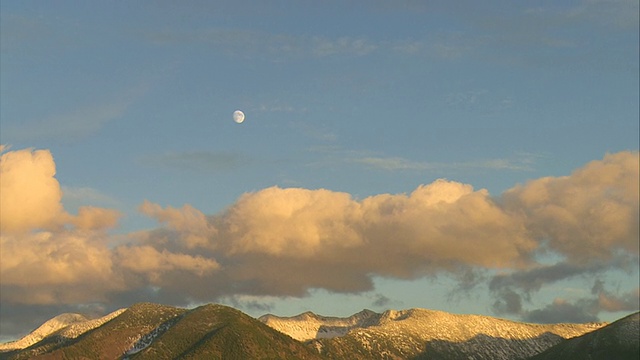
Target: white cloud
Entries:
(287, 242)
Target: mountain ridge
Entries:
(154, 331)
(420, 332)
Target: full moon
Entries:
(238, 116)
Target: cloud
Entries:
(531, 280)
(512, 291)
(380, 300)
(48, 255)
(562, 311)
(76, 123)
(94, 218)
(289, 241)
(608, 301)
(585, 309)
(196, 160)
(30, 193)
(523, 162)
(152, 263)
(589, 216)
(392, 163)
(507, 302)
(56, 268)
(344, 46)
(616, 13)
(247, 44)
(31, 197)
(281, 47)
(248, 302)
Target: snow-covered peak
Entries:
(66, 325)
(307, 326)
(48, 328)
(421, 324)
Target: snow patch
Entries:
(65, 326)
(307, 326)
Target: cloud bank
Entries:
(289, 241)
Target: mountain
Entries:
(64, 326)
(619, 340)
(308, 325)
(151, 331)
(424, 334)
(51, 326)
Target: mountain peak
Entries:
(149, 331)
(49, 327)
(67, 326)
(308, 325)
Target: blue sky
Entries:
(367, 100)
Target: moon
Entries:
(238, 116)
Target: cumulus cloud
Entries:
(152, 263)
(48, 255)
(31, 197)
(56, 268)
(30, 193)
(591, 215)
(288, 241)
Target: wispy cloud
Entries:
(196, 160)
(73, 196)
(343, 46)
(524, 162)
(392, 163)
(83, 121)
(623, 14)
(246, 44)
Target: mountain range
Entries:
(153, 331)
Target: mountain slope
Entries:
(62, 328)
(51, 326)
(419, 333)
(619, 340)
(151, 331)
(108, 341)
(220, 332)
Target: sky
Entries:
(474, 158)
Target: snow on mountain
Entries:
(420, 322)
(149, 329)
(145, 340)
(46, 329)
(68, 326)
(74, 330)
(308, 325)
(409, 333)
(454, 327)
